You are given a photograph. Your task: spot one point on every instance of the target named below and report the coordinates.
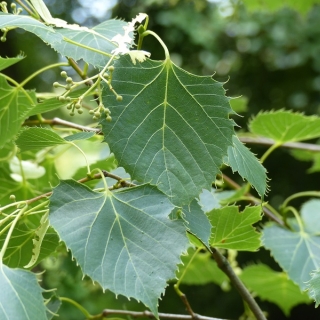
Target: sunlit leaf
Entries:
(199, 269)
(171, 129)
(14, 106)
(37, 138)
(273, 286)
(232, 229)
(197, 222)
(122, 240)
(16, 300)
(313, 287)
(7, 62)
(297, 251)
(285, 126)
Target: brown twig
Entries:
(290, 145)
(224, 266)
(148, 314)
(107, 174)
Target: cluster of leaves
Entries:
(171, 132)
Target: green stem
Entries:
(299, 195)
(77, 305)
(28, 10)
(85, 157)
(297, 216)
(55, 65)
(8, 236)
(269, 151)
(166, 51)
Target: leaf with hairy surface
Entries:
(123, 239)
(172, 128)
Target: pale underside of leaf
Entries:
(171, 128)
(16, 300)
(124, 240)
(298, 253)
(313, 286)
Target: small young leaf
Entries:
(199, 269)
(172, 128)
(197, 222)
(37, 138)
(80, 136)
(273, 286)
(241, 159)
(20, 295)
(313, 287)
(7, 62)
(233, 229)
(285, 126)
(14, 106)
(123, 240)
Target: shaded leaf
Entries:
(232, 229)
(273, 286)
(16, 300)
(199, 269)
(53, 307)
(14, 106)
(171, 128)
(7, 62)
(197, 222)
(38, 138)
(122, 240)
(313, 287)
(285, 126)
(241, 159)
(298, 251)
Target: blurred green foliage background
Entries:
(268, 53)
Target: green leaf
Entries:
(197, 222)
(273, 286)
(123, 240)
(285, 126)
(20, 295)
(298, 251)
(80, 136)
(233, 229)
(313, 287)
(46, 33)
(7, 62)
(22, 248)
(53, 307)
(171, 129)
(98, 39)
(240, 104)
(37, 138)
(241, 159)
(14, 106)
(199, 269)
(92, 45)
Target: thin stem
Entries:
(8, 236)
(224, 266)
(290, 145)
(166, 51)
(269, 151)
(55, 65)
(77, 305)
(148, 314)
(299, 195)
(296, 215)
(25, 7)
(84, 155)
